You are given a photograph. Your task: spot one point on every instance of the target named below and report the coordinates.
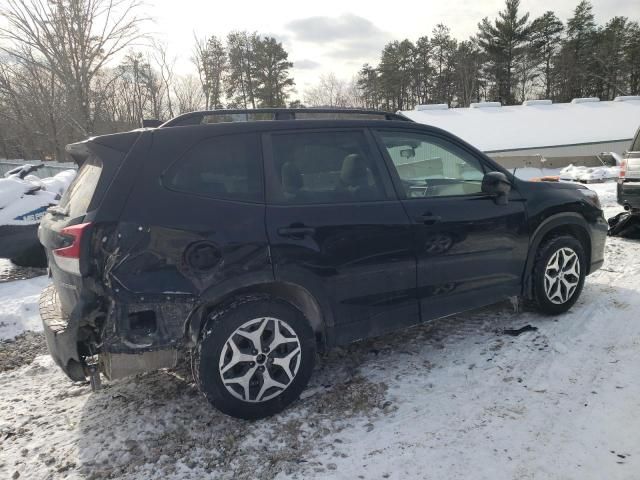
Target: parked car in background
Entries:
(629, 180)
(24, 197)
(256, 238)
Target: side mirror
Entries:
(498, 185)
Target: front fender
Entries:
(556, 221)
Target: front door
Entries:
(336, 229)
(471, 251)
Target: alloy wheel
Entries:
(260, 359)
(562, 275)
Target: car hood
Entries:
(552, 185)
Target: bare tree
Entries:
(188, 94)
(166, 71)
(332, 92)
(30, 111)
(73, 39)
(210, 59)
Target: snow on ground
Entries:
(19, 306)
(454, 399)
(589, 174)
(571, 173)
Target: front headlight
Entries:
(592, 197)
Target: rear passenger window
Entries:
(228, 168)
(324, 167)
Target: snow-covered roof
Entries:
(536, 123)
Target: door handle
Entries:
(428, 219)
(296, 232)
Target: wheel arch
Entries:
(314, 309)
(568, 223)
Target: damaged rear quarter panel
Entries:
(171, 251)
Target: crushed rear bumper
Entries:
(61, 332)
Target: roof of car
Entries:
(279, 114)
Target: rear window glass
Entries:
(227, 168)
(78, 196)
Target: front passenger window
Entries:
(429, 166)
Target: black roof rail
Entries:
(236, 115)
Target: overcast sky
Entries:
(339, 36)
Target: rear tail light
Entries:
(68, 257)
(623, 167)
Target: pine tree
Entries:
(423, 71)
(546, 32)
(467, 67)
(632, 58)
(578, 50)
(610, 69)
(368, 85)
(240, 78)
(271, 70)
(503, 42)
(443, 48)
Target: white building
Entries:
(584, 127)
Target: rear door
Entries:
(471, 251)
(200, 203)
(336, 229)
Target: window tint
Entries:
(226, 167)
(432, 167)
(325, 167)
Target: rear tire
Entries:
(559, 272)
(254, 357)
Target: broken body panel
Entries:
(140, 282)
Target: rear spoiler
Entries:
(79, 152)
(122, 142)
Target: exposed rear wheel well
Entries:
(297, 296)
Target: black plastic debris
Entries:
(625, 224)
(519, 331)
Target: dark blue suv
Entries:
(253, 239)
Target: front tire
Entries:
(254, 357)
(558, 274)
